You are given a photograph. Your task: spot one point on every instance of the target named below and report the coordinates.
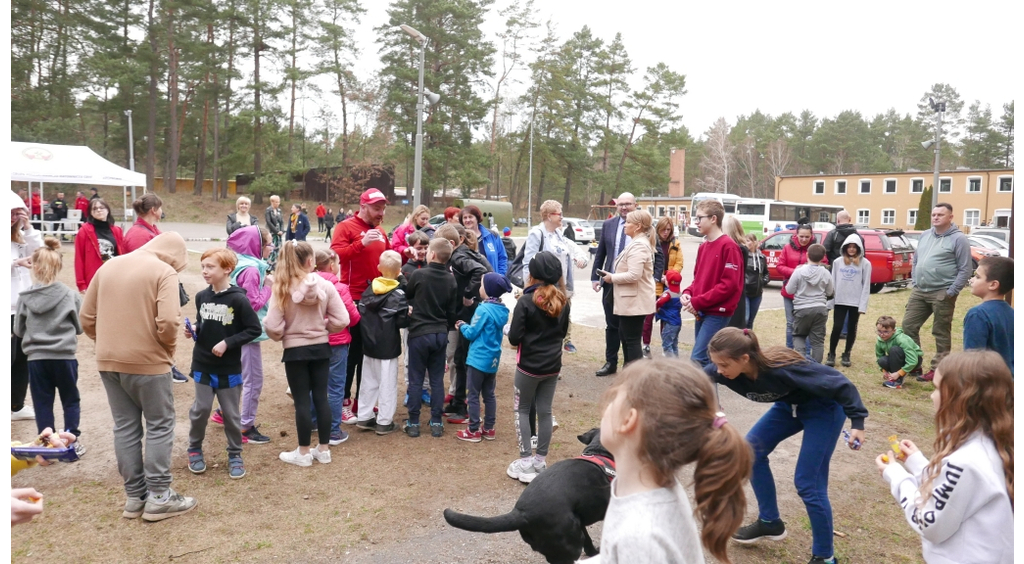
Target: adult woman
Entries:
(754, 280)
(452, 214)
(148, 209)
(734, 229)
(25, 239)
(673, 255)
(298, 224)
(489, 244)
(419, 219)
(98, 241)
(793, 255)
(633, 279)
(241, 217)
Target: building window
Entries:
(972, 218)
(863, 217)
(911, 218)
(819, 187)
(865, 187)
(890, 185)
(916, 185)
(1005, 184)
(973, 184)
(889, 217)
(661, 211)
(840, 186)
(650, 210)
(1002, 218)
(672, 212)
(945, 185)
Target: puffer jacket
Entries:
(674, 262)
(342, 337)
(793, 255)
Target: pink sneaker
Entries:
(487, 434)
(468, 436)
(245, 440)
(347, 417)
(217, 418)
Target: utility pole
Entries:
(939, 108)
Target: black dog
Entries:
(554, 510)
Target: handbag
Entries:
(515, 270)
(182, 295)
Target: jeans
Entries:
(426, 357)
(481, 383)
(753, 304)
(922, 305)
(704, 328)
(336, 385)
(529, 389)
(670, 339)
(630, 328)
(787, 304)
(46, 378)
(821, 420)
(252, 382)
(844, 317)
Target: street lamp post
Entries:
(418, 167)
(529, 184)
(131, 157)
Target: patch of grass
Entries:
(263, 544)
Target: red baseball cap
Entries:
(372, 196)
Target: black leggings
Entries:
(19, 372)
(848, 315)
(631, 327)
(354, 370)
(305, 376)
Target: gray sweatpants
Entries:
(449, 358)
(810, 323)
(528, 390)
(132, 397)
(229, 399)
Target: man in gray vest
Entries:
(613, 241)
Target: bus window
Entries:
(749, 209)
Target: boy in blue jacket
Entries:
(669, 313)
(989, 325)
(484, 332)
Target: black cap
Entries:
(546, 267)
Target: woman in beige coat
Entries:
(633, 280)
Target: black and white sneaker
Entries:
(254, 436)
(177, 376)
(760, 530)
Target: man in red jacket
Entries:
(717, 280)
(82, 204)
(793, 255)
(321, 211)
(359, 242)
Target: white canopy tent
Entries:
(68, 164)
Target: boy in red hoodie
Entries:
(717, 280)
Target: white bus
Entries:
(728, 202)
(763, 217)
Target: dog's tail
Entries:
(511, 521)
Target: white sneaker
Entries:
(522, 471)
(321, 456)
(26, 413)
(296, 458)
(539, 465)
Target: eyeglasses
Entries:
(556, 213)
(885, 332)
(701, 218)
(626, 204)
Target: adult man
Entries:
(833, 242)
(359, 242)
(136, 294)
(95, 193)
(59, 207)
(82, 204)
(275, 225)
(613, 241)
(321, 211)
(942, 266)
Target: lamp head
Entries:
(927, 144)
(414, 33)
(431, 97)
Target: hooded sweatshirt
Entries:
(21, 277)
(314, 309)
(47, 321)
(852, 282)
(942, 261)
(910, 349)
(250, 274)
(484, 333)
(810, 286)
(383, 310)
(344, 336)
(223, 316)
(132, 308)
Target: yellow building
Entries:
(891, 199)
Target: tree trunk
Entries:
(216, 136)
(201, 156)
(151, 121)
(257, 159)
(227, 93)
(291, 113)
(171, 174)
(625, 153)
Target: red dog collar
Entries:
(606, 464)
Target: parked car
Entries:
(995, 232)
(578, 230)
(890, 253)
(437, 220)
(989, 243)
(912, 237)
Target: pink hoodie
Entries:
(315, 310)
(342, 337)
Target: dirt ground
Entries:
(381, 498)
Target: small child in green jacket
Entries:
(897, 354)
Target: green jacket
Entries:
(908, 345)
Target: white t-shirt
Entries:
(654, 527)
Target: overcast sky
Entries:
(788, 56)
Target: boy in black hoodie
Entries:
(383, 310)
(225, 322)
(419, 241)
(433, 295)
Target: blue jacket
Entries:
(989, 325)
(669, 312)
(301, 228)
(490, 246)
(484, 332)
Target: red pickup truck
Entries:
(890, 253)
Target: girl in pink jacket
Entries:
(327, 267)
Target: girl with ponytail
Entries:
(961, 500)
(807, 397)
(661, 415)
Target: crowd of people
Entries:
(345, 315)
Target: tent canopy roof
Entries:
(67, 164)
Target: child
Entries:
(811, 287)
(539, 323)
(328, 267)
(669, 314)
(755, 278)
(47, 322)
(961, 500)
(432, 295)
(851, 279)
(989, 325)
(304, 309)
(484, 333)
(897, 354)
(807, 397)
(510, 245)
(225, 321)
(419, 242)
(658, 417)
(383, 310)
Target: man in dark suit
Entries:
(613, 241)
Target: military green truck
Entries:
(495, 214)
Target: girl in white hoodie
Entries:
(24, 241)
(961, 501)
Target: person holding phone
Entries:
(632, 280)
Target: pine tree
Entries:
(924, 210)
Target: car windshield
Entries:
(988, 243)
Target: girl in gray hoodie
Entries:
(851, 277)
(47, 322)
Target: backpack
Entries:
(515, 269)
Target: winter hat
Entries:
(507, 231)
(673, 279)
(496, 284)
(546, 267)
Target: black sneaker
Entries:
(830, 360)
(411, 429)
(760, 530)
(820, 560)
(254, 436)
(368, 425)
(845, 360)
(436, 429)
(177, 376)
(385, 429)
